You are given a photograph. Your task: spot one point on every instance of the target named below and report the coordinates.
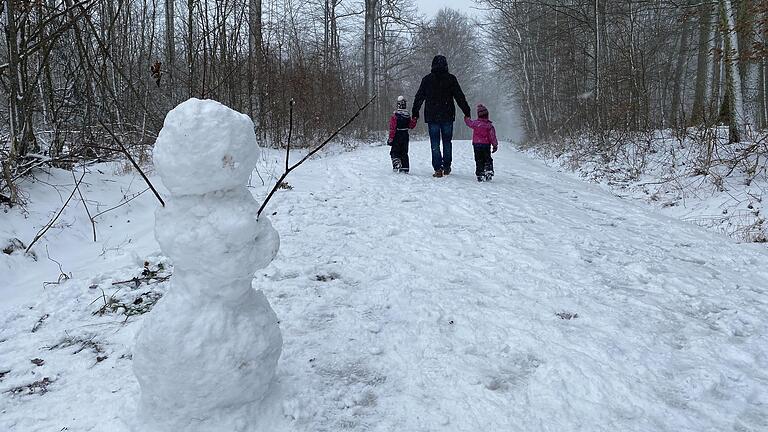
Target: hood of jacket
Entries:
(440, 64)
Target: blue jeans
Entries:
(444, 130)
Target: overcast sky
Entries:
(430, 7)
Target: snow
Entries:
(667, 173)
(121, 232)
(206, 354)
(533, 302)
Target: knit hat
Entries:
(482, 111)
(401, 103)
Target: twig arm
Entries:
(290, 134)
(290, 168)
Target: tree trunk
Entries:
(369, 54)
(732, 108)
(256, 65)
(47, 93)
(20, 95)
(762, 117)
(597, 54)
(699, 113)
(191, 82)
(762, 120)
(678, 107)
(749, 40)
(170, 48)
(717, 69)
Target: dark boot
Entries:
(488, 168)
(405, 162)
(438, 173)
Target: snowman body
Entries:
(207, 353)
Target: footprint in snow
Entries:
(512, 374)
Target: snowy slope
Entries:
(533, 303)
(668, 174)
(121, 233)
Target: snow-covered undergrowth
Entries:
(535, 302)
(699, 178)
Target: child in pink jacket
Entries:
(399, 124)
(484, 142)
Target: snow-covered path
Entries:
(532, 303)
(443, 313)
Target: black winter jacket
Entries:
(437, 91)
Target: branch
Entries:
(290, 132)
(62, 277)
(290, 168)
(47, 226)
(60, 30)
(88, 212)
(133, 162)
(138, 280)
(121, 204)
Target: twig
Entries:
(121, 204)
(133, 162)
(290, 132)
(23, 170)
(62, 275)
(88, 212)
(138, 280)
(39, 323)
(289, 168)
(47, 226)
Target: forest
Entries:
(92, 80)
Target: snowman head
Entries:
(205, 147)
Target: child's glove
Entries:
(389, 143)
(494, 149)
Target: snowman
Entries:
(206, 354)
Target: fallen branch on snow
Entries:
(47, 226)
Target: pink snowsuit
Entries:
(483, 132)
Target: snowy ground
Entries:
(666, 172)
(533, 303)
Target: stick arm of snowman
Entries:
(288, 167)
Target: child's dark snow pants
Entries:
(399, 154)
(483, 160)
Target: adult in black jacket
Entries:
(437, 91)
